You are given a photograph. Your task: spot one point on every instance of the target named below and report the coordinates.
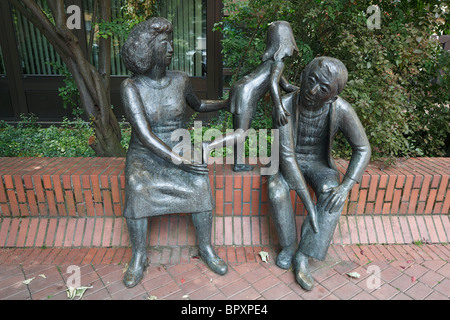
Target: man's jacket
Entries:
(343, 118)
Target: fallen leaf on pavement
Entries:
(264, 256)
(76, 292)
(27, 281)
(354, 275)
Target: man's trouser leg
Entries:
(315, 245)
(283, 217)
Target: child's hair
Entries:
(280, 41)
(334, 67)
(137, 53)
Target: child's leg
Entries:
(218, 143)
(241, 123)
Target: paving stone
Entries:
(347, 291)
(402, 279)
(419, 291)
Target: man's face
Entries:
(318, 87)
(163, 49)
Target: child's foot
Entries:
(205, 151)
(242, 167)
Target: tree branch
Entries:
(32, 11)
(104, 53)
(59, 14)
(91, 38)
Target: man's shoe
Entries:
(284, 258)
(301, 271)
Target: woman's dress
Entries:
(154, 186)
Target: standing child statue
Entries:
(159, 181)
(317, 114)
(246, 92)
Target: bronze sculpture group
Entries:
(159, 181)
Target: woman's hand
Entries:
(196, 168)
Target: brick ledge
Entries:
(77, 202)
(178, 231)
(88, 187)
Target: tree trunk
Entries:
(93, 85)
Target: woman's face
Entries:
(163, 49)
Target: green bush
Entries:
(29, 139)
(398, 75)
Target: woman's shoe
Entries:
(135, 271)
(216, 264)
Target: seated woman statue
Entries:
(159, 181)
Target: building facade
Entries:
(30, 69)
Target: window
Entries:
(2, 63)
(189, 37)
(117, 67)
(189, 21)
(35, 52)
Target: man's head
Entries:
(322, 81)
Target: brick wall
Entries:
(95, 187)
(86, 196)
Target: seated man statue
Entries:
(317, 115)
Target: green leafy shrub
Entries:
(398, 74)
(29, 139)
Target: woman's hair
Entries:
(334, 67)
(137, 51)
(280, 41)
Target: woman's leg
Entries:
(137, 229)
(203, 227)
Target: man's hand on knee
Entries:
(336, 198)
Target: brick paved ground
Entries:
(386, 272)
